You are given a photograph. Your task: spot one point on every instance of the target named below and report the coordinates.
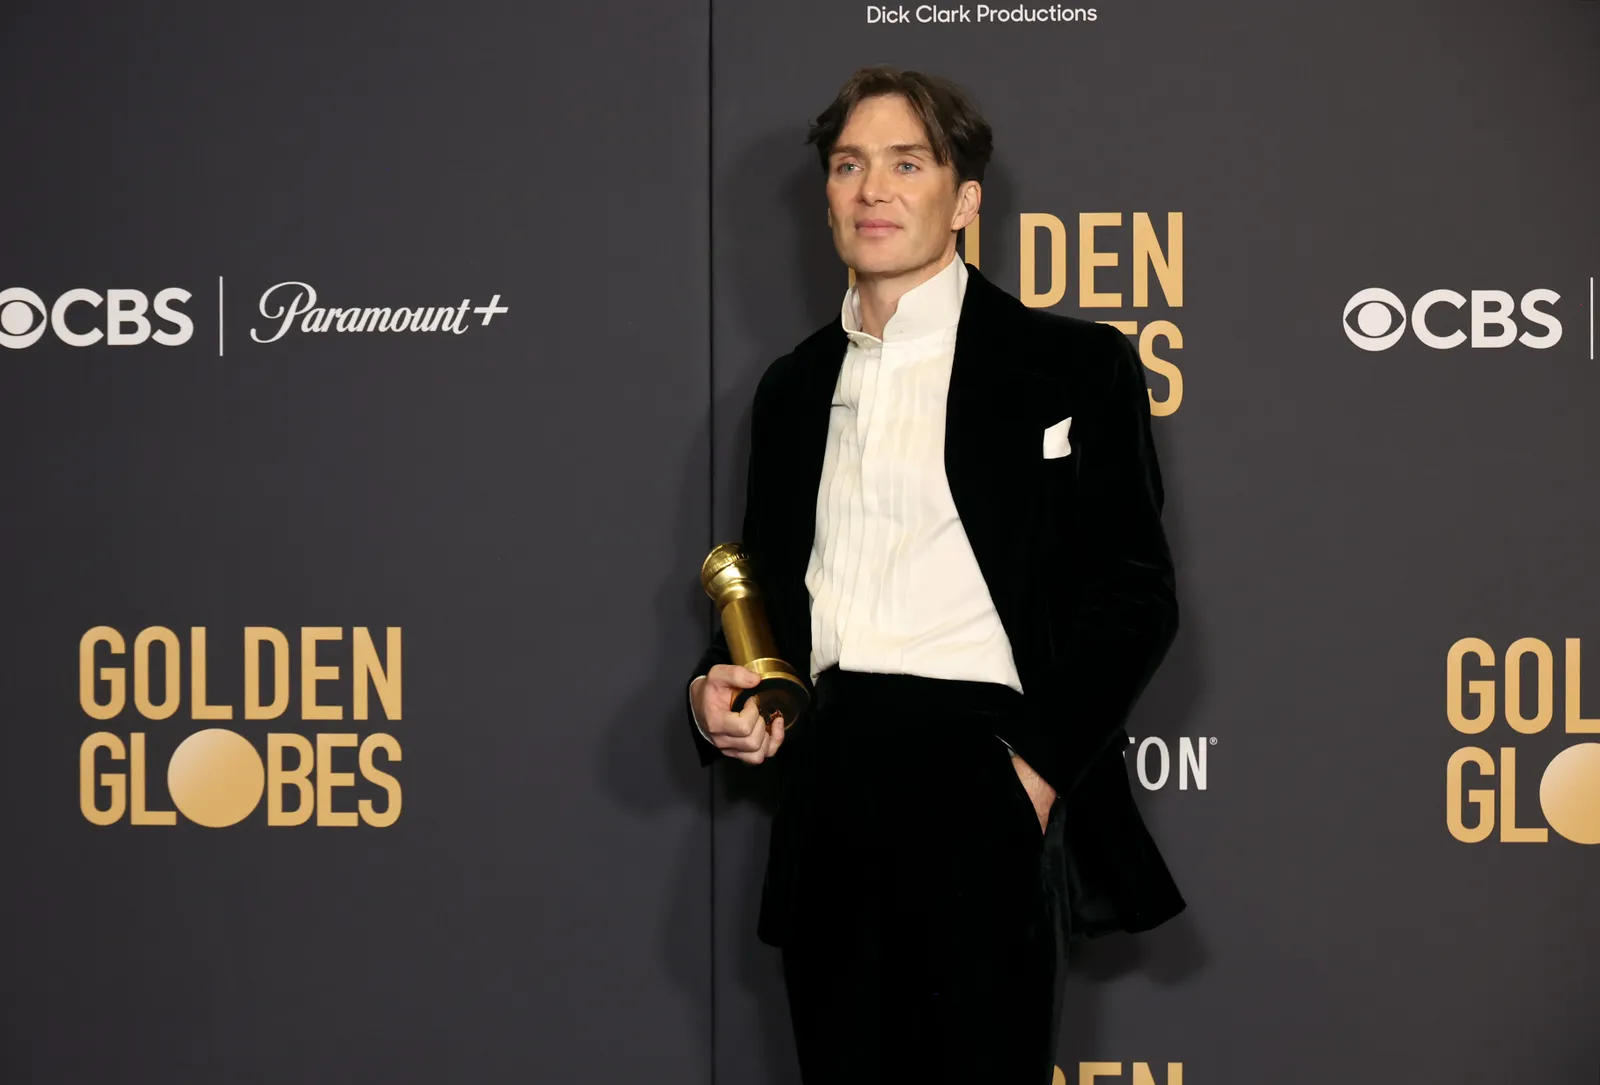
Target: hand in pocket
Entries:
(1040, 793)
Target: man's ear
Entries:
(969, 197)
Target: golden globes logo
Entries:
(1107, 243)
(1104, 1073)
(1481, 785)
(1146, 258)
(216, 776)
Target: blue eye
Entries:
(845, 165)
(913, 165)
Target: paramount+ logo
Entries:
(1509, 698)
(125, 317)
(1376, 319)
(216, 776)
(81, 317)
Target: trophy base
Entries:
(779, 693)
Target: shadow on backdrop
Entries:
(1176, 950)
(648, 761)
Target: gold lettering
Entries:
(300, 778)
(385, 677)
(115, 677)
(1510, 831)
(1030, 224)
(311, 673)
(141, 673)
(1576, 724)
(1481, 688)
(327, 780)
(1546, 685)
(391, 812)
(197, 680)
(140, 815)
(1089, 259)
(254, 637)
(1481, 797)
(115, 781)
(1167, 330)
(1147, 255)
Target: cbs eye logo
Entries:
(127, 318)
(1375, 319)
(1380, 319)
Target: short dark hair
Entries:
(961, 138)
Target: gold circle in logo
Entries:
(1570, 793)
(216, 777)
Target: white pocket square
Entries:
(1055, 439)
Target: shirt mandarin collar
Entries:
(928, 307)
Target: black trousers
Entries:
(927, 937)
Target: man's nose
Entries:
(874, 186)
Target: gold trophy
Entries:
(725, 575)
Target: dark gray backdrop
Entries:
(566, 896)
(526, 500)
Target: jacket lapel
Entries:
(803, 420)
(986, 452)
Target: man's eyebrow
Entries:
(895, 148)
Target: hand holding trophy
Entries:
(777, 689)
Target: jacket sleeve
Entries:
(1124, 615)
(750, 538)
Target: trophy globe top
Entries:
(727, 566)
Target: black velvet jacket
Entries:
(1071, 549)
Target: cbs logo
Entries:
(124, 321)
(1375, 319)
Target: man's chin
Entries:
(881, 265)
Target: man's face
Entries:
(891, 207)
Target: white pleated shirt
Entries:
(893, 582)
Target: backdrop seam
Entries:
(711, 511)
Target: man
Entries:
(953, 511)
